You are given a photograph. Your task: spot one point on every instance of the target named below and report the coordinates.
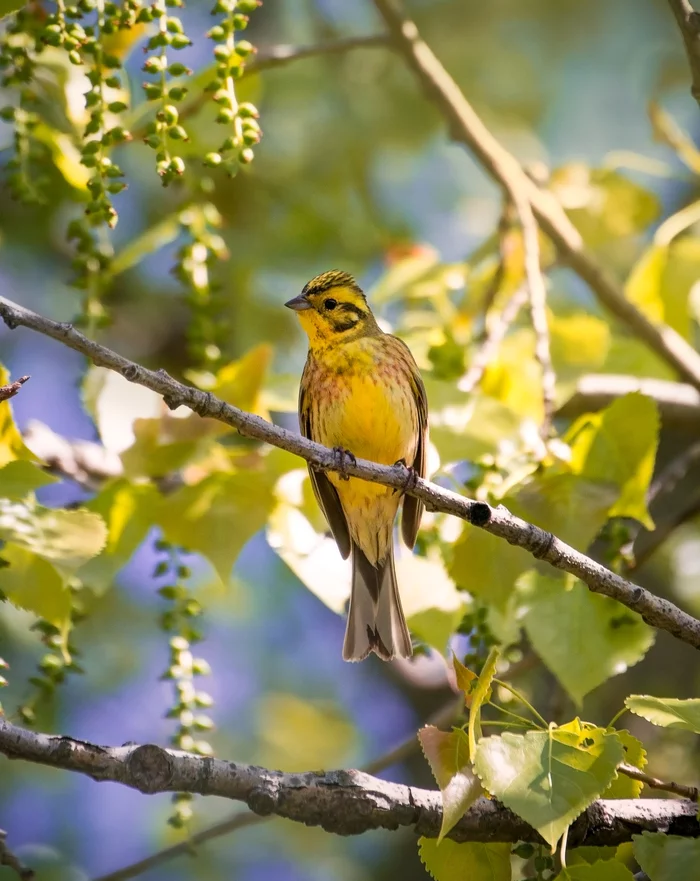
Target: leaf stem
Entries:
(522, 699)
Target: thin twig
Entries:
(498, 521)
(505, 226)
(466, 126)
(689, 792)
(7, 858)
(678, 403)
(674, 472)
(689, 24)
(444, 716)
(9, 391)
(344, 802)
(495, 334)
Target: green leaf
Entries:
(7, 7)
(21, 477)
(603, 870)
(448, 756)
(240, 382)
(465, 679)
(34, 584)
(129, 511)
(667, 712)
(667, 857)
(618, 446)
(588, 855)
(67, 539)
(582, 637)
(487, 566)
(549, 777)
(470, 861)
(635, 755)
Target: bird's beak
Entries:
(298, 304)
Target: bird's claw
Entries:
(341, 458)
(411, 475)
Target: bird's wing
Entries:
(325, 492)
(412, 507)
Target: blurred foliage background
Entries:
(214, 543)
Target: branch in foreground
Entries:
(466, 127)
(7, 858)
(498, 521)
(10, 390)
(678, 403)
(689, 24)
(342, 802)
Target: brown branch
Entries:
(493, 339)
(678, 403)
(444, 716)
(7, 858)
(689, 792)
(674, 472)
(9, 391)
(498, 521)
(342, 802)
(689, 23)
(466, 127)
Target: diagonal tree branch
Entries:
(342, 802)
(689, 792)
(9, 859)
(467, 127)
(689, 23)
(498, 521)
(10, 390)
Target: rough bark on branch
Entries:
(342, 802)
(689, 23)
(467, 127)
(498, 521)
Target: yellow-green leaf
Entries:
(549, 777)
(34, 584)
(668, 857)
(487, 566)
(582, 637)
(618, 446)
(603, 870)
(448, 756)
(666, 712)
(635, 755)
(470, 861)
(11, 443)
(21, 477)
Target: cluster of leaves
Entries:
(548, 774)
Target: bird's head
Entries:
(332, 308)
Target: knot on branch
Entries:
(130, 372)
(203, 403)
(149, 769)
(479, 513)
(263, 801)
(542, 542)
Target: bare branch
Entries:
(674, 472)
(342, 802)
(493, 339)
(9, 391)
(689, 24)
(678, 403)
(498, 521)
(689, 792)
(466, 127)
(278, 56)
(86, 462)
(7, 858)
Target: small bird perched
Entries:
(361, 393)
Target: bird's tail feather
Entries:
(375, 618)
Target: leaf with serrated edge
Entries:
(465, 679)
(32, 583)
(21, 477)
(582, 637)
(666, 712)
(549, 777)
(668, 857)
(603, 870)
(470, 861)
(448, 756)
(635, 755)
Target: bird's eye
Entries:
(330, 303)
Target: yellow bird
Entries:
(361, 393)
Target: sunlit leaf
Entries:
(513, 378)
(448, 756)
(470, 861)
(67, 539)
(115, 404)
(618, 446)
(635, 755)
(240, 382)
(21, 477)
(549, 777)
(582, 637)
(464, 679)
(32, 583)
(667, 857)
(11, 443)
(603, 870)
(486, 566)
(667, 712)
(578, 340)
